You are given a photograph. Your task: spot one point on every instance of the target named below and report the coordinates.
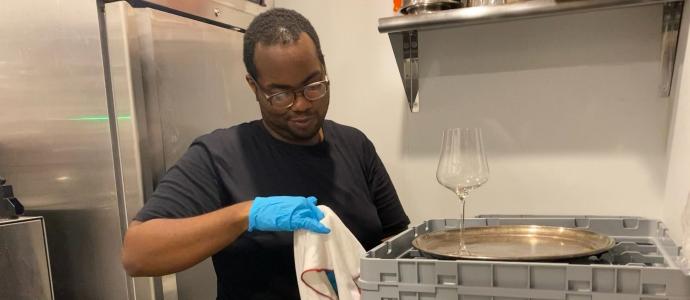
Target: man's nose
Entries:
(301, 103)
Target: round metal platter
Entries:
(514, 243)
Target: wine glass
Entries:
(462, 167)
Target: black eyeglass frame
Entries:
(294, 92)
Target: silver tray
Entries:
(514, 242)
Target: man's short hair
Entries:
(276, 26)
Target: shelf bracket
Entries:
(405, 48)
(673, 12)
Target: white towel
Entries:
(339, 251)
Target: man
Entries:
(221, 198)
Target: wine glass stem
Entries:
(462, 248)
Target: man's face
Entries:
(284, 67)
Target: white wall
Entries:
(568, 105)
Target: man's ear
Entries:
(252, 85)
(250, 82)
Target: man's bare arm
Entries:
(164, 246)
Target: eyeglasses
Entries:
(285, 99)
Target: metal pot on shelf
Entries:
(416, 7)
(472, 3)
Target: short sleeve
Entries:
(189, 188)
(388, 206)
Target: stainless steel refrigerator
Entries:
(97, 100)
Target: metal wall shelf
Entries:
(403, 31)
(230, 14)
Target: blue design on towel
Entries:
(331, 279)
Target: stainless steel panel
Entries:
(173, 79)
(198, 74)
(125, 78)
(232, 14)
(24, 257)
(55, 143)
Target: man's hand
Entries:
(286, 213)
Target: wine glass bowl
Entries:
(462, 166)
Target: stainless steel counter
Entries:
(24, 263)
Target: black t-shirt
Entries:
(240, 163)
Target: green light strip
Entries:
(98, 118)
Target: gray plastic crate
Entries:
(642, 266)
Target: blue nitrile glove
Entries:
(286, 213)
